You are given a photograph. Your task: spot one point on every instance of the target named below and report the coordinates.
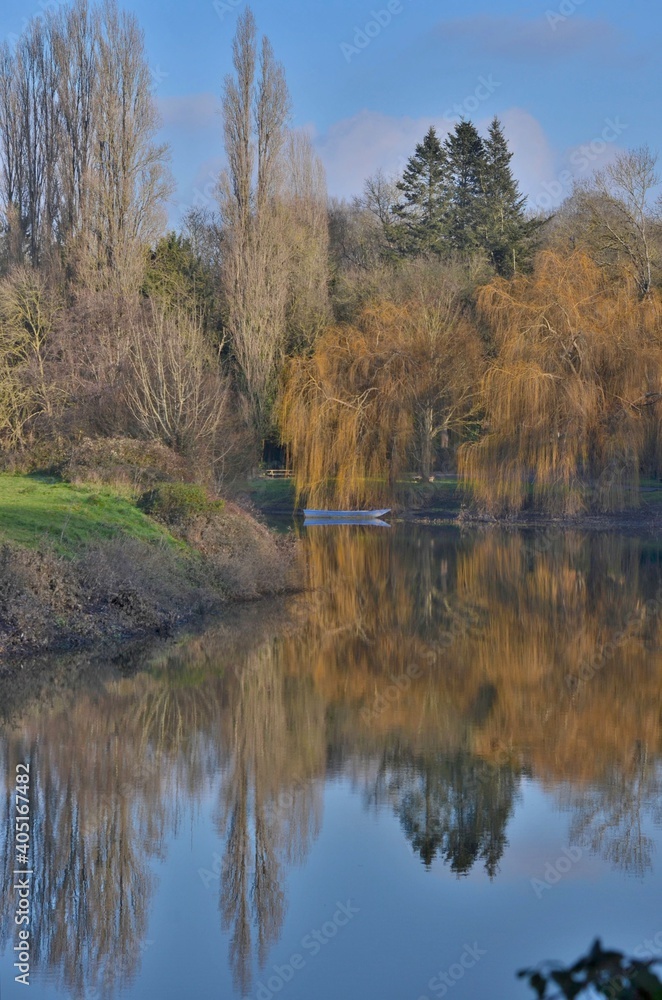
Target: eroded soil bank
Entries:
(112, 591)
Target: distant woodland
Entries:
(433, 323)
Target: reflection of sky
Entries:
(435, 770)
(411, 924)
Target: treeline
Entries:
(433, 323)
(110, 327)
(83, 176)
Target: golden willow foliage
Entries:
(565, 628)
(373, 396)
(569, 401)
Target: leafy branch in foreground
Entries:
(609, 973)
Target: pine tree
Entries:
(507, 232)
(466, 160)
(421, 214)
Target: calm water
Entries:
(448, 764)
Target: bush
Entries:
(140, 465)
(178, 503)
(609, 973)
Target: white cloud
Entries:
(190, 112)
(356, 147)
(534, 160)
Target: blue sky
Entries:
(574, 82)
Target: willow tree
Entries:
(568, 401)
(371, 399)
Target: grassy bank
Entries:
(37, 512)
(82, 564)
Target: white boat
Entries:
(345, 522)
(345, 515)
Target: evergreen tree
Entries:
(507, 232)
(421, 214)
(460, 197)
(176, 274)
(466, 160)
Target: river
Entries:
(438, 765)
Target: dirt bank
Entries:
(119, 589)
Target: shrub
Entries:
(142, 465)
(178, 503)
(609, 973)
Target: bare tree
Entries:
(255, 272)
(79, 165)
(130, 183)
(11, 161)
(76, 56)
(306, 207)
(621, 224)
(28, 120)
(361, 231)
(28, 311)
(175, 390)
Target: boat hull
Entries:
(345, 522)
(345, 515)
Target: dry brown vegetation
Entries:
(548, 391)
(570, 400)
(124, 587)
(377, 395)
(283, 322)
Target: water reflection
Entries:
(437, 670)
(452, 806)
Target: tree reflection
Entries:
(452, 806)
(114, 771)
(269, 810)
(494, 624)
(608, 818)
(500, 625)
(90, 853)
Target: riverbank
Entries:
(83, 566)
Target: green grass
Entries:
(276, 495)
(651, 491)
(34, 510)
